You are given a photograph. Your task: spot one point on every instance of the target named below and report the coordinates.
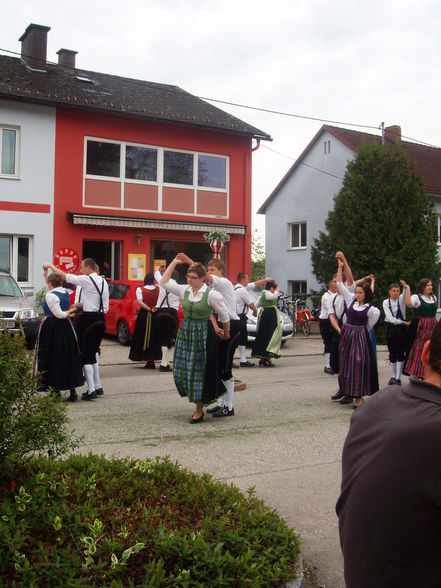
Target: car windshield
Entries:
(8, 287)
(118, 291)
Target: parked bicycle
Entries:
(301, 317)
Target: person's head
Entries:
(54, 280)
(88, 266)
(332, 285)
(106, 265)
(175, 274)
(363, 293)
(271, 286)
(162, 268)
(196, 274)
(215, 267)
(149, 279)
(425, 287)
(242, 278)
(394, 291)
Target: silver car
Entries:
(285, 321)
(17, 314)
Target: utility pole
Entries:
(381, 127)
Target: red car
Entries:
(123, 310)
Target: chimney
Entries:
(66, 59)
(34, 46)
(392, 135)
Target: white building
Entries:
(297, 208)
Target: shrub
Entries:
(89, 521)
(29, 421)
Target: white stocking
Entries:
(88, 374)
(227, 398)
(166, 354)
(400, 367)
(96, 373)
(243, 357)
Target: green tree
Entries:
(383, 220)
(257, 259)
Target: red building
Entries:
(141, 169)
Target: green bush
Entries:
(89, 521)
(29, 421)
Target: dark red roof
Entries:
(98, 92)
(427, 160)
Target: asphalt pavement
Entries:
(285, 438)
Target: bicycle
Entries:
(302, 317)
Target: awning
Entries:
(127, 222)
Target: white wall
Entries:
(35, 183)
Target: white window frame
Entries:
(13, 257)
(290, 288)
(4, 127)
(160, 174)
(300, 246)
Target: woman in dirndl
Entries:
(195, 362)
(269, 331)
(422, 325)
(358, 374)
(145, 344)
(57, 353)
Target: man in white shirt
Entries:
(396, 335)
(326, 330)
(166, 318)
(91, 324)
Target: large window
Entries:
(296, 235)
(8, 152)
(15, 257)
(103, 159)
(297, 288)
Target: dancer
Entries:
(57, 352)
(422, 326)
(195, 362)
(166, 319)
(145, 346)
(92, 322)
(269, 331)
(358, 374)
(227, 348)
(395, 318)
(326, 329)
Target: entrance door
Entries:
(107, 254)
(166, 250)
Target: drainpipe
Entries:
(257, 145)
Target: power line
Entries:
(303, 163)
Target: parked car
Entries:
(285, 321)
(17, 314)
(123, 310)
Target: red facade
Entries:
(78, 193)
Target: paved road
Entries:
(285, 438)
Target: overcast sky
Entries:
(348, 61)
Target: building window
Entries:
(141, 163)
(15, 257)
(211, 172)
(178, 168)
(103, 159)
(297, 288)
(327, 146)
(296, 235)
(8, 152)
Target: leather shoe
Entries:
(214, 409)
(246, 364)
(150, 365)
(398, 382)
(73, 396)
(346, 400)
(329, 371)
(99, 391)
(339, 394)
(165, 368)
(87, 396)
(392, 382)
(199, 420)
(224, 412)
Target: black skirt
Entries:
(145, 344)
(58, 356)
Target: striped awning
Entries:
(127, 222)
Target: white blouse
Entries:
(53, 302)
(373, 312)
(416, 302)
(215, 299)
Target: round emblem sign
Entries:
(66, 260)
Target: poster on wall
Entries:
(67, 260)
(160, 262)
(136, 266)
